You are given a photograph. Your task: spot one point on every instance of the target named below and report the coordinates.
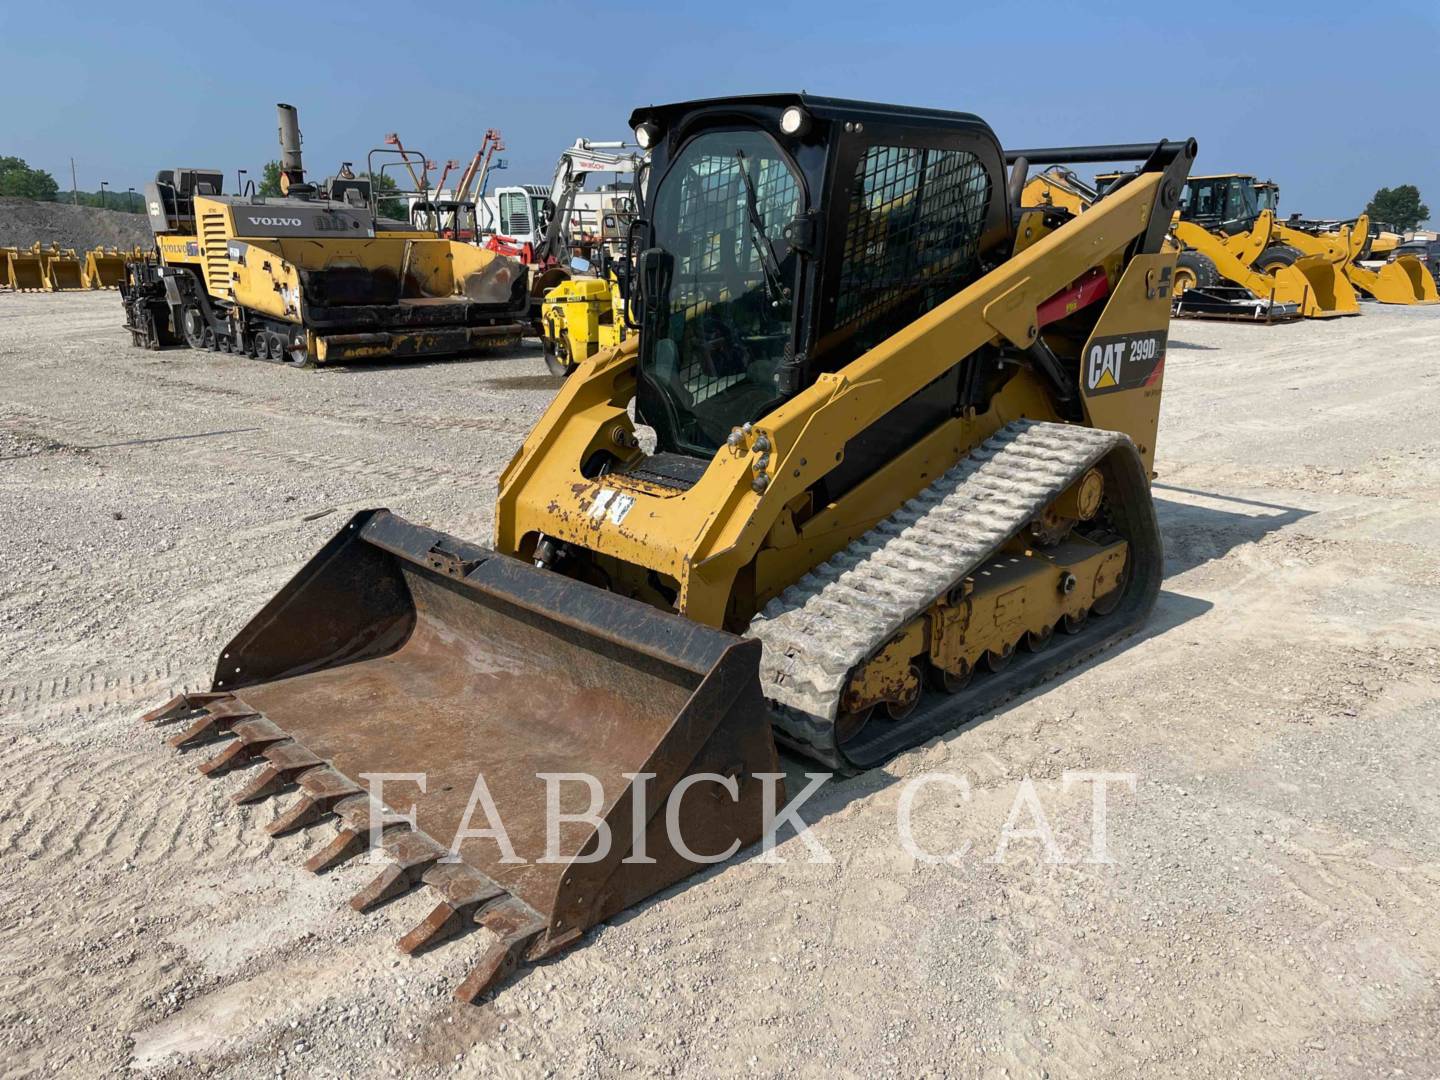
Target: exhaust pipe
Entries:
(292, 168)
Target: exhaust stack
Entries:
(292, 168)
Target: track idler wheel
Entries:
(905, 705)
(1104, 605)
(950, 682)
(848, 725)
(997, 662)
(1038, 640)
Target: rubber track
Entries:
(836, 616)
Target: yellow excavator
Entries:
(877, 460)
(1347, 245)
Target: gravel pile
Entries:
(25, 221)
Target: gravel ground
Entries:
(1270, 907)
(26, 221)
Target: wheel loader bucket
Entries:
(60, 270)
(1328, 291)
(104, 269)
(504, 696)
(1404, 281)
(24, 272)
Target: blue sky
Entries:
(1331, 103)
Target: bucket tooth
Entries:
(443, 923)
(412, 853)
(251, 738)
(357, 828)
(205, 729)
(179, 707)
(301, 814)
(465, 889)
(346, 845)
(284, 762)
(216, 719)
(323, 788)
(515, 925)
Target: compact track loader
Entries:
(317, 276)
(903, 437)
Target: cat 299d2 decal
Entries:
(1124, 362)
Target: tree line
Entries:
(18, 178)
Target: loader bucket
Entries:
(400, 650)
(1329, 291)
(1404, 281)
(104, 269)
(61, 270)
(25, 272)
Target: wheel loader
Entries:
(1231, 264)
(1227, 237)
(316, 276)
(877, 460)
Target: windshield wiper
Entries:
(759, 238)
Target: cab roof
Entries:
(821, 108)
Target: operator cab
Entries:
(1228, 204)
(786, 236)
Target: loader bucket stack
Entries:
(402, 650)
(104, 268)
(60, 269)
(24, 270)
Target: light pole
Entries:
(103, 185)
(130, 199)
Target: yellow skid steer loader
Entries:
(903, 433)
